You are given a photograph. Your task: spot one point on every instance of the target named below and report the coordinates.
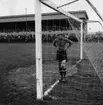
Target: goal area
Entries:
(47, 28)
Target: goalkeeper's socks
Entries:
(63, 74)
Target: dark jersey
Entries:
(61, 43)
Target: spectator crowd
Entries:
(29, 36)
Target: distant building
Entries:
(50, 21)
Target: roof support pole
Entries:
(93, 21)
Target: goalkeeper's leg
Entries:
(62, 70)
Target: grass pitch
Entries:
(17, 71)
(95, 54)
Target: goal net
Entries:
(93, 46)
(58, 22)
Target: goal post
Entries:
(81, 42)
(38, 41)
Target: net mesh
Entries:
(93, 47)
(84, 85)
(51, 28)
(84, 80)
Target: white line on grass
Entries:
(74, 65)
(52, 86)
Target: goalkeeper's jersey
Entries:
(60, 43)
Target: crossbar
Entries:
(60, 10)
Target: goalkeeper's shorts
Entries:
(61, 55)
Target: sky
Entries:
(17, 7)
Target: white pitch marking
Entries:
(51, 87)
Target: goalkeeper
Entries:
(62, 44)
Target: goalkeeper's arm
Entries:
(54, 43)
(70, 43)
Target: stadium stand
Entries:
(21, 28)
